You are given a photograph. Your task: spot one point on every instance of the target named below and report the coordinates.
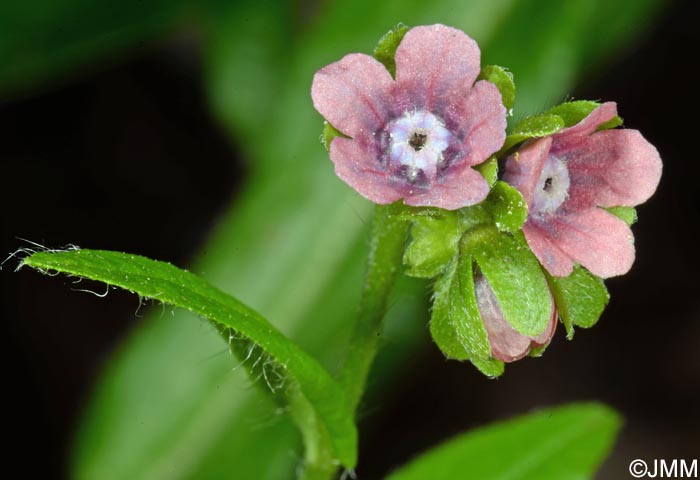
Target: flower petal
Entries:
(545, 337)
(434, 66)
(461, 188)
(568, 137)
(506, 343)
(353, 94)
(613, 168)
(552, 258)
(596, 239)
(482, 121)
(354, 165)
(524, 167)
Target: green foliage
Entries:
(626, 214)
(42, 40)
(562, 443)
(386, 48)
(581, 298)
(503, 79)
(489, 170)
(313, 397)
(329, 133)
(536, 126)
(487, 235)
(575, 111)
(163, 404)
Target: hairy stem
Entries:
(387, 242)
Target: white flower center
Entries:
(552, 187)
(418, 140)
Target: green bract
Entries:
(581, 298)
(387, 45)
(503, 79)
(452, 246)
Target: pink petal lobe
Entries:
(506, 343)
(614, 168)
(545, 337)
(434, 64)
(354, 165)
(545, 248)
(524, 168)
(596, 239)
(572, 135)
(353, 94)
(483, 120)
(460, 188)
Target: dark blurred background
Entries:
(139, 133)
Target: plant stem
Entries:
(388, 237)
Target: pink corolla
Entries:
(414, 137)
(565, 178)
(507, 344)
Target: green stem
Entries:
(387, 243)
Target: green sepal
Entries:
(434, 244)
(507, 207)
(537, 126)
(456, 325)
(581, 298)
(503, 79)
(575, 111)
(387, 45)
(516, 277)
(626, 214)
(329, 133)
(489, 170)
(489, 366)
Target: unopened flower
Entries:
(507, 344)
(567, 176)
(417, 136)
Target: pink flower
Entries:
(415, 137)
(506, 343)
(567, 176)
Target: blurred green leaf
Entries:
(197, 420)
(44, 40)
(312, 396)
(562, 443)
(503, 79)
(581, 298)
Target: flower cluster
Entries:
(509, 255)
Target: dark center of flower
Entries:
(417, 141)
(547, 184)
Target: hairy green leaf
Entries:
(489, 170)
(434, 242)
(515, 276)
(503, 79)
(581, 298)
(507, 206)
(561, 443)
(315, 399)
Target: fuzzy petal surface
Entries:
(523, 168)
(596, 239)
(482, 121)
(435, 65)
(507, 344)
(353, 94)
(571, 135)
(353, 164)
(613, 168)
(461, 187)
(547, 250)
